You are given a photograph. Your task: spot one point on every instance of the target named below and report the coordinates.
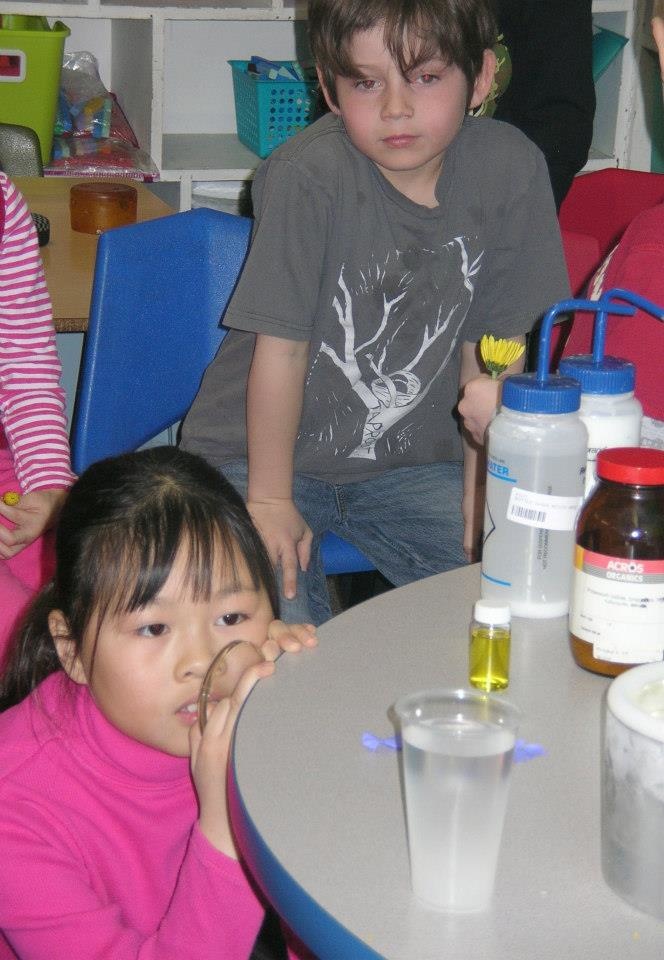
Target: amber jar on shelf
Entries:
(617, 601)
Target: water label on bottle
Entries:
(543, 510)
(618, 606)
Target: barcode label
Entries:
(542, 510)
(537, 516)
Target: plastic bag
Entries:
(87, 99)
(88, 157)
(92, 135)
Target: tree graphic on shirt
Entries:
(392, 393)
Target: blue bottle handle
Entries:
(609, 298)
(600, 307)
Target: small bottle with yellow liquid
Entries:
(490, 635)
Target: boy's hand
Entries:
(479, 394)
(33, 514)
(291, 637)
(286, 535)
(478, 404)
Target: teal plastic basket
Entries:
(268, 112)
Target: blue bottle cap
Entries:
(610, 376)
(529, 394)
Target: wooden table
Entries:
(319, 817)
(69, 257)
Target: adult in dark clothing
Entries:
(551, 96)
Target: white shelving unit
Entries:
(167, 65)
(618, 89)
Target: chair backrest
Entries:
(593, 217)
(159, 291)
(20, 152)
(603, 203)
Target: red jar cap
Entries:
(637, 465)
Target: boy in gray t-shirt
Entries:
(389, 236)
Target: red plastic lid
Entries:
(638, 465)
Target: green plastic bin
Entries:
(30, 63)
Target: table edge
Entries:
(317, 928)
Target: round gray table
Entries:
(319, 817)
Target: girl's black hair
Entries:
(119, 532)
(415, 31)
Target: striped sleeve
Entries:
(32, 402)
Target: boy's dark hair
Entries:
(121, 527)
(415, 31)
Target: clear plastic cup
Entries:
(457, 748)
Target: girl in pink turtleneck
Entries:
(114, 836)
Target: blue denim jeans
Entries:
(407, 522)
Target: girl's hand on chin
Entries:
(209, 759)
(209, 751)
(291, 637)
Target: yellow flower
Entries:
(498, 355)
(10, 498)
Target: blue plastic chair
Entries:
(160, 289)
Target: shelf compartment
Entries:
(196, 9)
(207, 156)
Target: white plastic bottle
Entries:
(609, 409)
(536, 457)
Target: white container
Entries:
(229, 196)
(536, 456)
(633, 788)
(609, 409)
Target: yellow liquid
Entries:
(489, 658)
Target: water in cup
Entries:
(457, 755)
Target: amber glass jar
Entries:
(98, 206)
(617, 601)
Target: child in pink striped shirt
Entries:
(34, 448)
